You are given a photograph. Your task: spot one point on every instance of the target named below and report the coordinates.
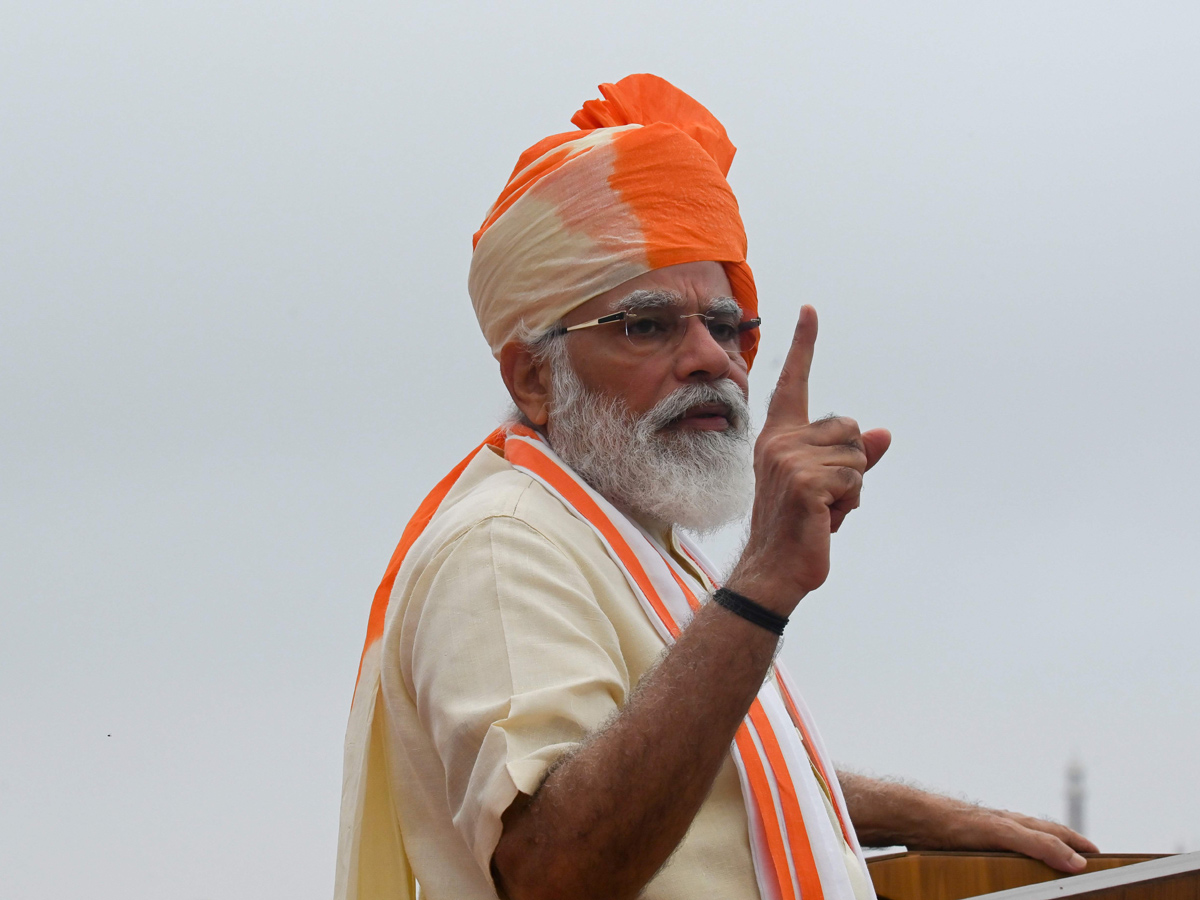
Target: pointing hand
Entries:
(809, 477)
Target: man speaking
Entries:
(558, 698)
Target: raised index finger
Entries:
(790, 399)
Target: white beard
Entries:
(698, 480)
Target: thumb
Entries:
(875, 444)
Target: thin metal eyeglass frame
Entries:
(742, 327)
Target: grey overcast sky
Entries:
(236, 349)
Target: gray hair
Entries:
(698, 480)
(548, 346)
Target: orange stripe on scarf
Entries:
(779, 836)
(529, 457)
(416, 525)
(802, 855)
(760, 787)
(811, 749)
(524, 455)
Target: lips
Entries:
(706, 416)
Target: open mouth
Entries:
(706, 417)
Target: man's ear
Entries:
(528, 381)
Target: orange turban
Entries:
(640, 186)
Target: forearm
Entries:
(887, 812)
(610, 814)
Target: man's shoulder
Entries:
(490, 488)
(497, 527)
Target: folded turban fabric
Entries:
(640, 186)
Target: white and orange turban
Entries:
(640, 186)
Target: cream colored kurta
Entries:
(510, 635)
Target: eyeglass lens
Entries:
(654, 329)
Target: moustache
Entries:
(674, 407)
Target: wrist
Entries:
(775, 595)
(754, 613)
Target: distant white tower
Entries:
(1076, 794)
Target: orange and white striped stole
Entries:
(798, 853)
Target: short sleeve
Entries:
(510, 662)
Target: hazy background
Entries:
(236, 350)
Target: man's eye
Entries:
(723, 332)
(724, 329)
(644, 326)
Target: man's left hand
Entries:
(979, 828)
(887, 812)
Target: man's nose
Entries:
(699, 357)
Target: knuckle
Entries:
(857, 457)
(1044, 845)
(1012, 834)
(840, 428)
(1050, 842)
(841, 423)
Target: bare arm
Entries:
(609, 816)
(630, 793)
(887, 812)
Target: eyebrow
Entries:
(724, 305)
(647, 299)
(660, 299)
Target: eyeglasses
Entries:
(652, 330)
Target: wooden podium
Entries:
(1008, 876)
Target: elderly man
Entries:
(557, 699)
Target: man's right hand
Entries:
(808, 477)
(608, 816)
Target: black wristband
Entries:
(751, 611)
